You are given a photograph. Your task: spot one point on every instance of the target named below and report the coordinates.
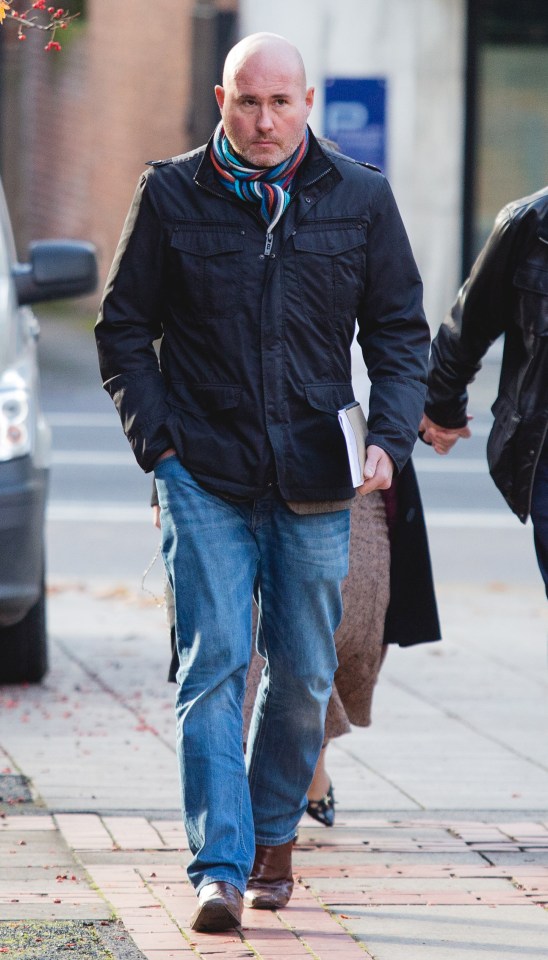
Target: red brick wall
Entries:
(79, 125)
(139, 70)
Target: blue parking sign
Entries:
(355, 117)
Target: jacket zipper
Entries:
(269, 233)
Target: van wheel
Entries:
(24, 646)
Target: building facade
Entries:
(464, 113)
(449, 97)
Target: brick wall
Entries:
(139, 75)
(79, 125)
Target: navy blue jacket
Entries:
(255, 351)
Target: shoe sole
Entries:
(214, 917)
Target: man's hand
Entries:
(156, 516)
(442, 438)
(378, 471)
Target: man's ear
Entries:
(309, 99)
(220, 96)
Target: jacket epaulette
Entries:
(358, 163)
(370, 166)
(179, 158)
(159, 163)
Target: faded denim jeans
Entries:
(217, 553)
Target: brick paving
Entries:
(362, 865)
(456, 869)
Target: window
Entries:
(507, 111)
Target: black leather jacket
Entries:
(255, 354)
(506, 293)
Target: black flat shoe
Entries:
(323, 810)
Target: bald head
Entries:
(264, 100)
(269, 48)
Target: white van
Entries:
(55, 269)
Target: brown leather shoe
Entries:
(219, 908)
(271, 882)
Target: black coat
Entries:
(412, 615)
(506, 293)
(255, 355)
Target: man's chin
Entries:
(264, 155)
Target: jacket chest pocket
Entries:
(207, 267)
(531, 286)
(330, 267)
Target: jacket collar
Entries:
(316, 167)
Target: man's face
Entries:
(265, 106)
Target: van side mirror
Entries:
(56, 269)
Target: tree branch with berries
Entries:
(39, 16)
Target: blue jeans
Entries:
(539, 513)
(217, 553)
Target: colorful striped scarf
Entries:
(270, 186)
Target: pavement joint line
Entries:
(112, 692)
(153, 900)
(353, 948)
(453, 715)
(382, 776)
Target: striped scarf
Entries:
(270, 187)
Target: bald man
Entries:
(252, 258)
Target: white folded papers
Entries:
(354, 428)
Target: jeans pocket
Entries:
(161, 463)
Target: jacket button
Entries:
(261, 256)
(307, 200)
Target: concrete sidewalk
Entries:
(440, 848)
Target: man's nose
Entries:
(264, 121)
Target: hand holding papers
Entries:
(354, 428)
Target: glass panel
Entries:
(512, 139)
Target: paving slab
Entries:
(447, 933)
(440, 847)
(40, 877)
